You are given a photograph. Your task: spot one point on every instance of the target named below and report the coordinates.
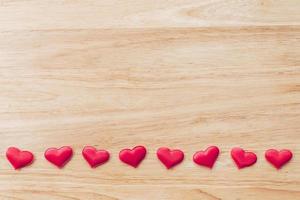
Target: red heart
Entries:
(168, 157)
(208, 157)
(278, 158)
(133, 157)
(59, 157)
(95, 157)
(242, 158)
(18, 158)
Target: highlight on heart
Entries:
(133, 157)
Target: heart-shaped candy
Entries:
(278, 158)
(95, 157)
(168, 157)
(243, 158)
(59, 157)
(133, 157)
(18, 158)
(208, 157)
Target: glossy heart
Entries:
(243, 158)
(18, 158)
(168, 157)
(208, 157)
(133, 157)
(278, 158)
(59, 157)
(95, 157)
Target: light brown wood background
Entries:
(180, 73)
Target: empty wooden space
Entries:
(182, 73)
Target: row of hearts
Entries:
(133, 157)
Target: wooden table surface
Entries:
(180, 73)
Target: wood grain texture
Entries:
(92, 14)
(184, 74)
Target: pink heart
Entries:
(170, 158)
(95, 157)
(243, 158)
